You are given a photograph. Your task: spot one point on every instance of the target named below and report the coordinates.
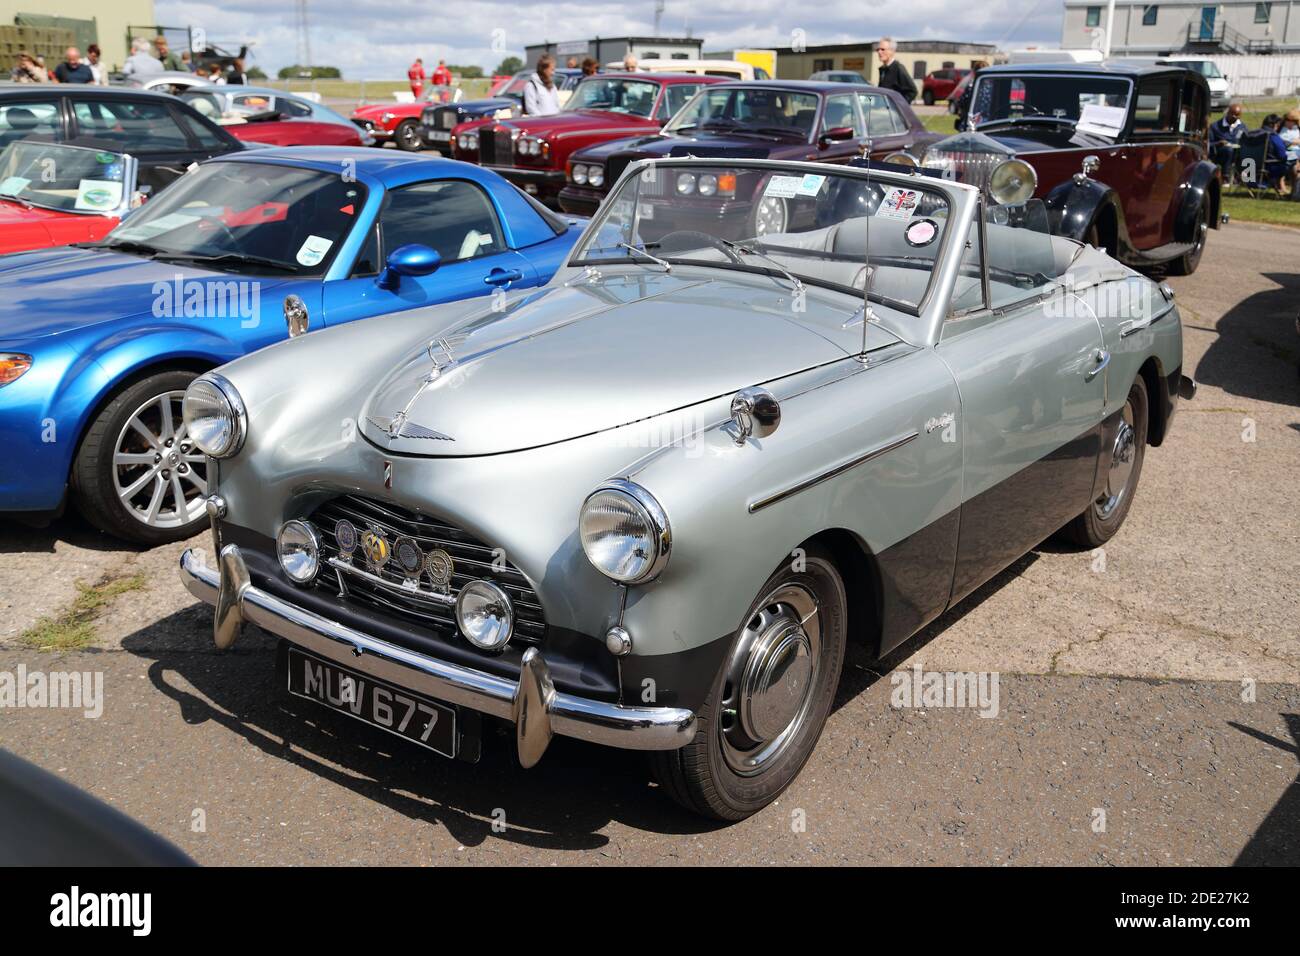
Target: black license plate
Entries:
(410, 716)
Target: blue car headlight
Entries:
(13, 366)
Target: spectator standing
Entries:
(441, 75)
(92, 60)
(141, 63)
(541, 98)
(168, 59)
(27, 70)
(73, 69)
(416, 75)
(590, 66)
(187, 61)
(215, 75)
(630, 63)
(892, 74)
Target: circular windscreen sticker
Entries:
(921, 232)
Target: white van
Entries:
(1037, 55)
(731, 69)
(1220, 88)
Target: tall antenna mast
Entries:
(304, 35)
(867, 315)
(659, 15)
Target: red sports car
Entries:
(939, 85)
(55, 194)
(257, 115)
(532, 152)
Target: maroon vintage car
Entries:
(1117, 151)
(824, 122)
(532, 152)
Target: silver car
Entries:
(648, 504)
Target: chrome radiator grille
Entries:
(496, 147)
(972, 168)
(472, 559)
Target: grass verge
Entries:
(1266, 207)
(75, 626)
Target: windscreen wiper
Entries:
(237, 258)
(750, 251)
(123, 245)
(668, 266)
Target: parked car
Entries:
(174, 82)
(533, 152)
(940, 85)
(776, 119)
(55, 194)
(97, 343)
(275, 118)
(839, 76)
(164, 135)
(506, 102)
(1220, 88)
(1117, 151)
(648, 505)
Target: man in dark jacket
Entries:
(892, 74)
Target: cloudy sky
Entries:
(372, 39)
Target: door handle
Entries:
(499, 276)
(1102, 358)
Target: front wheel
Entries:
(1186, 264)
(927, 98)
(1103, 517)
(407, 136)
(137, 474)
(770, 699)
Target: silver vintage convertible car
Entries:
(647, 504)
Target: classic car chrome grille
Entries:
(971, 168)
(496, 146)
(422, 604)
(429, 117)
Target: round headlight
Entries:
(1012, 182)
(902, 158)
(624, 532)
(685, 184)
(485, 615)
(708, 184)
(580, 174)
(596, 175)
(298, 547)
(214, 415)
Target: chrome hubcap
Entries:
(770, 677)
(1121, 465)
(159, 476)
(770, 216)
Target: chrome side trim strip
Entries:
(532, 703)
(761, 503)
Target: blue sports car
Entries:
(98, 342)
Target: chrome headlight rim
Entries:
(656, 519)
(579, 175)
(684, 185)
(596, 176)
(237, 412)
(496, 593)
(313, 548)
(1028, 183)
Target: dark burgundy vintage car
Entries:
(532, 152)
(1117, 151)
(774, 119)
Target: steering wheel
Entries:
(215, 222)
(711, 241)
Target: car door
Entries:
(21, 117)
(840, 110)
(1030, 368)
(1154, 153)
(457, 219)
(886, 129)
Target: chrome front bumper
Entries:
(536, 708)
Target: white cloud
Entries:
(371, 39)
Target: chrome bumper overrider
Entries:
(536, 708)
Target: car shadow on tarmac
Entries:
(1257, 349)
(1277, 841)
(19, 538)
(562, 803)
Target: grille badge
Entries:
(440, 566)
